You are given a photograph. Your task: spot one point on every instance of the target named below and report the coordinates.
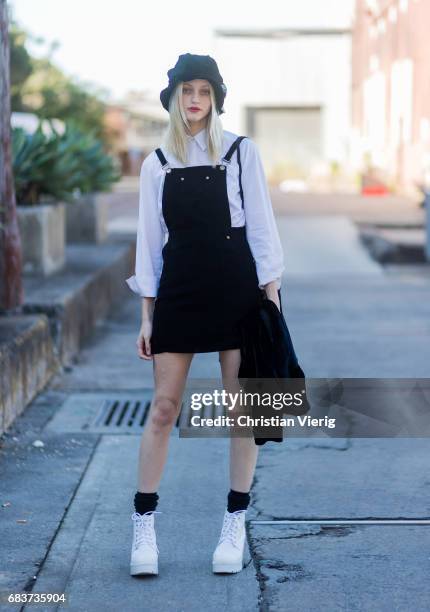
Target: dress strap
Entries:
(240, 173)
(161, 157)
(232, 149)
(227, 158)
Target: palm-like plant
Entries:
(59, 165)
(97, 170)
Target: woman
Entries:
(197, 190)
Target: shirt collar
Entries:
(200, 138)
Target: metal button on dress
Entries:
(169, 170)
(222, 167)
(182, 178)
(228, 236)
(208, 177)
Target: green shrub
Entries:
(60, 166)
(97, 170)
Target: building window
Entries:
(425, 129)
(374, 110)
(401, 100)
(381, 25)
(392, 14)
(374, 63)
(372, 6)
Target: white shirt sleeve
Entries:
(150, 235)
(261, 229)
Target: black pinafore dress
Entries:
(208, 280)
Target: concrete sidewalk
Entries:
(76, 491)
(90, 556)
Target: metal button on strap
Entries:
(169, 170)
(228, 236)
(222, 167)
(182, 178)
(208, 177)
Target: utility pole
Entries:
(11, 290)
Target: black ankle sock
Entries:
(237, 501)
(145, 502)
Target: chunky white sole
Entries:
(144, 568)
(227, 568)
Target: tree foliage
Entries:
(40, 87)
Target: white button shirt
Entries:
(261, 230)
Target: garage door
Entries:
(289, 138)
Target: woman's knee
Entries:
(164, 412)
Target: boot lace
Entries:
(230, 529)
(144, 532)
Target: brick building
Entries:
(391, 90)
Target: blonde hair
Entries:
(175, 137)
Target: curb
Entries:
(385, 251)
(27, 362)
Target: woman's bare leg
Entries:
(243, 451)
(170, 375)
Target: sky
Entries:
(130, 44)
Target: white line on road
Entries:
(345, 522)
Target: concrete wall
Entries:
(301, 71)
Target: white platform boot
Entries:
(144, 551)
(228, 555)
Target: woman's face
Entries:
(196, 99)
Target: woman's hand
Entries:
(143, 341)
(272, 293)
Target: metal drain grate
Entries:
(209, 411)
(121, 415)
(117, 414)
